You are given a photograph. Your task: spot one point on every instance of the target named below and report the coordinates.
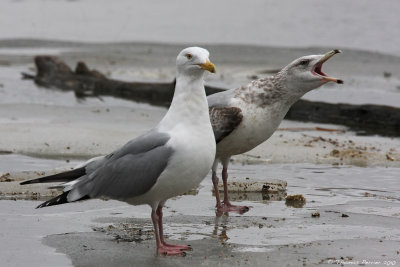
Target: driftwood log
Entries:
(364, 119)
(54, 73)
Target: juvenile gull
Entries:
(244, 117)
(167, 161)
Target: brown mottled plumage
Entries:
(223, 120)
(261, 92)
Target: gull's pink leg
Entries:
(215, 181)
(162, 249)
(227, 204)
(161, 231)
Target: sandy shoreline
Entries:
(100, 233)
(351, 181)
(338, 172)
(96, 126)
(85, 132)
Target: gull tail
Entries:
(69, 177)
(59, 177)
(61, 199)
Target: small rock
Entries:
(252, 77)
(315, 214)
(344, 215)
(388, 157)
(296, 201)
(367, 194)
(6, 178)
(387, 74)
(335, 153)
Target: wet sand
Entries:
(359, 217)
(337, 172)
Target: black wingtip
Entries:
(61, 199)
(340, 81)
(26, 182)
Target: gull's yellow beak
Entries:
(208, 66)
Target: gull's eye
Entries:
(304, 62)
(189, 56)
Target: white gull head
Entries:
(305, 74)
(194, 61)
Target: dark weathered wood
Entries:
(365, 119)
(54, 73)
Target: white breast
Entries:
(257, 126)
(194, 153)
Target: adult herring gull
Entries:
(244, 117)
(166, 161)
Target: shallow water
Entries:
(368, 198)
(371, 25)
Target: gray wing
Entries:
(224, 118)
(127, 172)
(222, 99)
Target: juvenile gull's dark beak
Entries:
(317, 69)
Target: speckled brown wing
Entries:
(224, 120)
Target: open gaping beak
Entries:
(208, 66)
(317, 69)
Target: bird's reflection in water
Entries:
(260, 197)
(221, 220)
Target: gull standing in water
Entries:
(166, 161)
(245, 117)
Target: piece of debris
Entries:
(315, 214)
(252, 77)
(367, 194)
(389, 157)
(387, 74)
(335, 153)
(6, 178)
(344, 215)
(192, 192)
